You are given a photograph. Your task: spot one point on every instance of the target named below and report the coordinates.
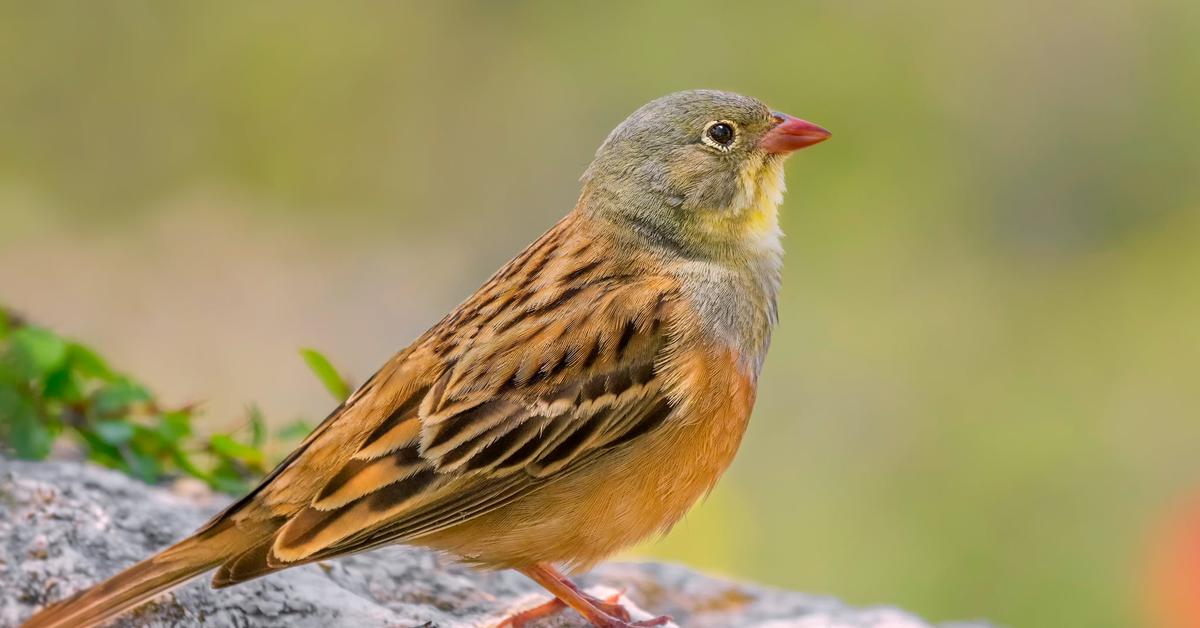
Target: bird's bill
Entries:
(792, 134)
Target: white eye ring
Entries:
(707, 135)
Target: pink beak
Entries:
(792, 134)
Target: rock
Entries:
(66, 525)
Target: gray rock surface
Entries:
(65, 525)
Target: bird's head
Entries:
(701, 170)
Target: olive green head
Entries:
(699, 168)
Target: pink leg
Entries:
(601, 613)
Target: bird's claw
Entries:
(615, 615)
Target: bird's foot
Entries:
(609, 613)
(612, 607)
(521, 619)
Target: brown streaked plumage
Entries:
(582, 400)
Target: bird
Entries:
(580, 401)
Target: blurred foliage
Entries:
(52, 388)
(330, 378)
(981, 397)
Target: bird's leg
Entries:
(606, 613)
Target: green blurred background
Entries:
(982, 395)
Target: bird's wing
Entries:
(557, 359)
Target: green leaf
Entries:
(334, 383)
(11, 374)
(174, 426)
(231, 484)
(225, 445)
(46, 380)
(295, 430)
(225, 478)
(88, 363)
(100, 451)
(116, 397)
(184, 462)
(10, 399)
(40, 351)
(143, 465)
(61, 386)
(258, 427)
(114, 433)
(30, 436)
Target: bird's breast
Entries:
(734, 305)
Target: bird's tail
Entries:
(171, 567)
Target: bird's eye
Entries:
(719, 134)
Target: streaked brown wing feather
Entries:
(486, 493)
(553, 361)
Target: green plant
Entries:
(52, 388)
